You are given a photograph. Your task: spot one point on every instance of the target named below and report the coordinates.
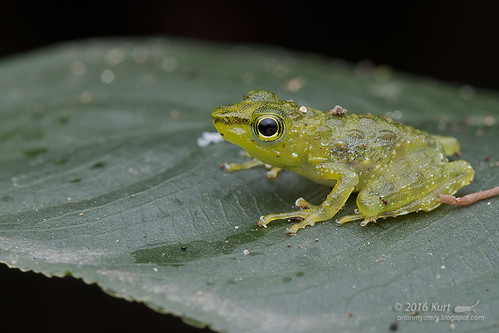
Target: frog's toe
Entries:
(303, 204)
(266, 219)
(225, 167)
(367, 220)
(302, 224)
(355, 217)
(272, 173)
(349, 218)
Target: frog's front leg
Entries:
(229, 167)
(346, 180)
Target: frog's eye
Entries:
(268, 127)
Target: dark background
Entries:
(455, 41)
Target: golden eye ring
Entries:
(268, 127)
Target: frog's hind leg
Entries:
(410, 184)
(450, 144)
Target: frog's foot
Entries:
(302, 224)
(306, 217)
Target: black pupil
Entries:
(267, 127)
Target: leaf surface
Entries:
(103, 179)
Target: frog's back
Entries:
(363, 139)
(367, 143)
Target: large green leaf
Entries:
(103, 179)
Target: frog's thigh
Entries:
(412, 183)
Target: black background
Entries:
(455, 41)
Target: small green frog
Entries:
(395, 168)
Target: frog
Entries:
(395, 168)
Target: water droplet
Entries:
(107, 76)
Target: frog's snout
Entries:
(219, 117)
(231, 123)
(220, 121)
(225, 115)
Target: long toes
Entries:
(295, 227)
(367, 220)
(302, 203)
(348, 218)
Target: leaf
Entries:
(103, 179)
